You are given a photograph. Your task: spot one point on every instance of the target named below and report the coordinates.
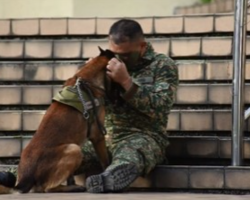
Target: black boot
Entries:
(113, 180)
(7, 179)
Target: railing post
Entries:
(239, 61)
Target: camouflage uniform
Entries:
(137, 131)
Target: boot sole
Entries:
(114, 180)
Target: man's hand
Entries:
(117, 71)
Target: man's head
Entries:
(126, 39)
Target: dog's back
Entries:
(51, 141)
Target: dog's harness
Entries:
(81, 97)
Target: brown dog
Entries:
(54, 153)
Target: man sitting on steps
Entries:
(137, 137)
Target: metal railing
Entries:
(239, 62)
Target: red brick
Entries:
(185, 47)
(236, 178)
(37, 95)
(25, 27)
(217, 46)
(160, 45)
(38, 49)
(191, 70)
(67, 49)
(5, 27)
(82, 26)
(32, 119)
(56, 89)
(207, 178)
(248, 46)
(10, 147)
(198, 24)
(90, 47)
(38, 71)
(222, 120)
(11, 49)
(247, 75)
(146, 24)
(219, 70)
(224, 23)
(11, 71)
(174, 120)
(204, 147)
(10, 95)
(220, 94)
(196, 120)
(64, 71)
(10, 120)
(192, 94)
(248, 24)
(103, 25)
(167, 25)
(53, 26)
(247, 93)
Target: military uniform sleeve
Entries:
(157, 99)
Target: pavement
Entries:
(124, 196)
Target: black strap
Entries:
(89, 92)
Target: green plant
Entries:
(206, 1)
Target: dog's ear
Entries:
(109, 54)
(102, 52)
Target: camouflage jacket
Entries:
(148, 102)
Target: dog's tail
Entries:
(25, 184)
(7, 182)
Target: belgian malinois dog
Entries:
(54, 153)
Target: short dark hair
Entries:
(125, 30)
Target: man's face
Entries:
(128, 52)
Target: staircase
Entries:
(215, 6)
(37, 55)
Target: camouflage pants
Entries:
(139, 149)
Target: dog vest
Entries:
(69, 96)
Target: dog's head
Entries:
(113, 89)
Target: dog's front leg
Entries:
(101, 150)
(98, 140)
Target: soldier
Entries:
(137, 137)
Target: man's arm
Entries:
(148, 99)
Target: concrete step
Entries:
(175, 47)
(187, 94)
(203, 147)
(216, 6)
(189, 70)
(190, 24)
(190, 177)
(200, 120)
(181, 147)
(209, 94)
(201, 177)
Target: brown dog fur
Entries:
(54, 153)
